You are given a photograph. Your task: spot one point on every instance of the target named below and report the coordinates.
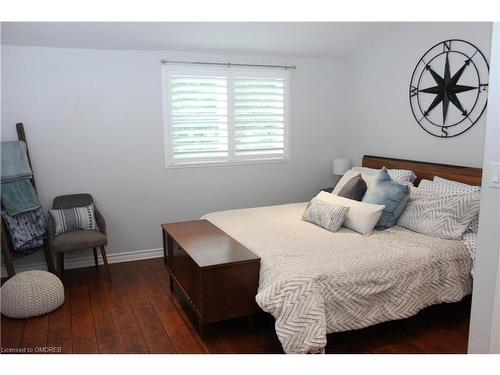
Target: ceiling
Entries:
(302, 39)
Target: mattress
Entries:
(316, 282)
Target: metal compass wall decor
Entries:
(449, 88)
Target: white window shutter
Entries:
(259, 115)
(225, 115)
(198, 111)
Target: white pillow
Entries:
(361, 217)
(426, 184)
(444, 186)
(470, 241)
(398, 175)
(439, 215)
(460, 187)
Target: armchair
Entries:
(77, 240)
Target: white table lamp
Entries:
(341, 166)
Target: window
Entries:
(225, 115)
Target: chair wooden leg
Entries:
(104, 259)
(60, 263)
(96, 260)
(48, 257)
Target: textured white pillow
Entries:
(444, 186)
(361, 217)
(426, 184)
(470, 242)
(398, 175)
(459, 186)
(437, 215)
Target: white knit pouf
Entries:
(31, 293)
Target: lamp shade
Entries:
(341, 166)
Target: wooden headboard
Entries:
(424, 170)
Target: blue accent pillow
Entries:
(391, 194)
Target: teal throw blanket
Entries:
(19, 196)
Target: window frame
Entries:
(229, 72)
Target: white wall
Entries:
(484, 334)
(94, 124)
(379, 122)
(378, 115)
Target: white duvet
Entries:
(316, 282)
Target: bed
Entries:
(316, 282)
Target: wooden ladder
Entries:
(7, 247)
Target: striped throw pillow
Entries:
(73, 219)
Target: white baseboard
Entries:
(80, 262)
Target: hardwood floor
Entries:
(136, 313)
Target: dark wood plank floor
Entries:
(136, 313)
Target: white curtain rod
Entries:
(286, 67)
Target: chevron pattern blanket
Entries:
(316, 282)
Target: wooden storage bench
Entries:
(217, 275)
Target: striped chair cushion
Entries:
(73, 219)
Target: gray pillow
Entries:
(326, 215)
(354, 189)
(389, 193)
(438, 215)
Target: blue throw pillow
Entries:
(391, 194)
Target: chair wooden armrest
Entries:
(51, 232)
(101, 223)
